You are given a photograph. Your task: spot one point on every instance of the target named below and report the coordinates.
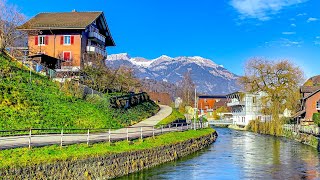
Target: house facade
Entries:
(310, 101)
(208, 104)
(70, 37)
(246, 107)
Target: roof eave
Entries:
(48, 28)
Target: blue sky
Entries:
(227, 31)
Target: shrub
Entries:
(316, 118)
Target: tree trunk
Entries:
(1, 41)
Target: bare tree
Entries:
(280, 80)
(187, 89)
(10, 18)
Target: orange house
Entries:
(211, 103)
(68, 37)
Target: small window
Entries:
(67, 40)
(67, 56)
(42, 40)
(318, 104)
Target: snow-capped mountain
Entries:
(209, 77)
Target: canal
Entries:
(242, 155)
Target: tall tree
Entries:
(10, 18)
(187, 89)
(280, 80)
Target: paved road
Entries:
(133, 132)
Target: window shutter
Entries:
(72, 39)
(36, 40)
(46, 40)
(61, 40)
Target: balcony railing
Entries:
(95, 49)
(236, 103)
(97, 36)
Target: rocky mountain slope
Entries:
(209, 77)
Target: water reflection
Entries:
(242, 155)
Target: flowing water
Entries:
(242, 155)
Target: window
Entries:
(42, 40)
(67, 40)
(67, 55)
(318, 104)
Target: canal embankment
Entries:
(101, 160)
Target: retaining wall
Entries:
(304, 138)
(109, 166)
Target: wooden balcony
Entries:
(97, 50)
(97, 36)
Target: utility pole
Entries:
(195, 107)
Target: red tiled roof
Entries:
(309, 89)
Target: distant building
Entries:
(177, 102)
(310, 101)
(208, 104)
(246, 107)
(67, 37)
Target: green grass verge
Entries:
(175, 115)
(42, 103)
(25, 157)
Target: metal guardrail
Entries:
(302, 129)
(43, 137)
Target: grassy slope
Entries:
(26, 157)
(175, 115)
(41, 104)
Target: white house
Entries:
(246, 107)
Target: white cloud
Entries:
(302, 14)
(317, 37)
(311, 19)
(284, 42)
(261, 9)
(288, 33)
(293, 25)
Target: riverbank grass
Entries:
(30, 100)
(22, 157)
(174, 116)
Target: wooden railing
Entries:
(129, 100)
(302, 129)
(43, 137)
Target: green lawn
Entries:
(175, 115)
(25, 157)
(43, 103)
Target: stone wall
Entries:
(304, 138)
(110, 166)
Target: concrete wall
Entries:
(109, 166)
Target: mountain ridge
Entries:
(209, 77)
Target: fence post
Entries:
(169, 127)
(176, 126)
(30, 138)
(187, 126)
(88, 137)
(61, 140)
(161, 129)
(127, 134)
(153, 131)
(181, 126)
(141, 133)
(109, 136)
